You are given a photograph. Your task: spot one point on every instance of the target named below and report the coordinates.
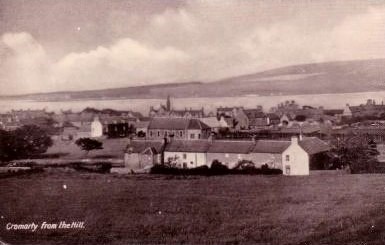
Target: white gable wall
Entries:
(295, 160)
(96, 128)
(186, 159)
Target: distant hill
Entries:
(330, 77)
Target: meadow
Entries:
(157, 209)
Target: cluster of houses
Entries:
(293, 157)
(288, 137)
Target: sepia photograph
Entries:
(192, 122)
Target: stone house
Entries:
(177, 128)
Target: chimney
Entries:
(294, 140)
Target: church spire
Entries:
(168, 103)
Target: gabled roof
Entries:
(212, 122)
(187, 146)
(313, 145)
(176, 123)
(138, 146)
(270, 146)
(197, 124)
(240, 147)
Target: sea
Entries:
(328, 101)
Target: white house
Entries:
(295, 160)
(186, 153)
(96, 128)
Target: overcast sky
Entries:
(51, 45)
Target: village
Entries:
(295, 139)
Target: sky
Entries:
(61, 45)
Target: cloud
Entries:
(199, 41)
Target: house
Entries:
(274, 119)
(92, 129)
(229, 152)
(187, 113)
(295, 160)
(214, 123)
(370, 109)
(257, 118)
(347, 112)
(142, 154)
(186, 153)
(225, 111)
(96, 128)
(177, 128)
(268, 152)
(141, 127)
(293, 157)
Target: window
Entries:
(287, 158)
(180, 134)
(287, 169)
(192, 136)
(158, 134)
(199, 136)
(184, 156)
(151, 133)
(165, 133)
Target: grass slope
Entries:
(345, 209)
(328, 77)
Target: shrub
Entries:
(217, 168)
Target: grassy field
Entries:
(324, 209)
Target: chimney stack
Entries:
(294, 140)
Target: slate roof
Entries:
(273, 116)
(240, 147)
(188, 146)
(138, 146)
(211, 122)
(313, 145)
(333, 112)
(306, 130)
(176, 123)
(141, 124)
(254, 113)
(270, 146)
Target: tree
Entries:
(358, 153)
(88, 144)
(300, 118)
(25, 142)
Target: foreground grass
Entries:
(346, 209)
